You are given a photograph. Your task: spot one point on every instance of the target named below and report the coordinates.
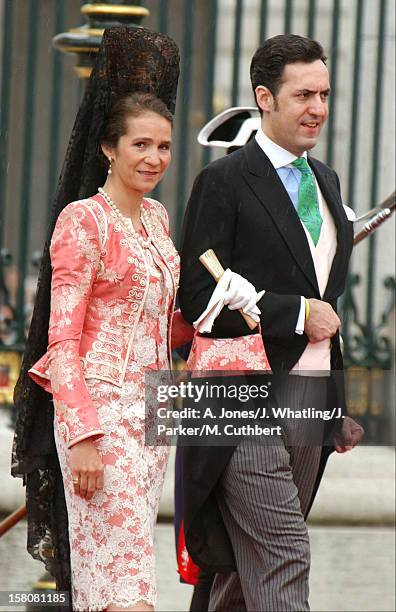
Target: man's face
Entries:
(295, 117)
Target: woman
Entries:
(115, 272)
(114, 279)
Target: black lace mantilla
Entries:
(128, 61)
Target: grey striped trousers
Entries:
(263, 496)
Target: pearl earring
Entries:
(109, 170)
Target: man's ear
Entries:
(264, 98)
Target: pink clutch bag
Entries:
(245, 353)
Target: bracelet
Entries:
(306, 309)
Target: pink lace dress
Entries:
(111, 536)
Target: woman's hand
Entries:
(87, 468)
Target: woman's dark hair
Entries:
(269, 61)
(131, 105)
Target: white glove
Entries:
(204, 323)
(241, 295)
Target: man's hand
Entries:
(351, 433)
(87, 468)
(242, 295)
(322, 321)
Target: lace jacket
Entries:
(99, 285)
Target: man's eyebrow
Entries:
(312, 91)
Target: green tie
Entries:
(308, 207)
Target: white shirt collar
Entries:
(278, 156)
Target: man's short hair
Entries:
(275, 53)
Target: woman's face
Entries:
(143, 154)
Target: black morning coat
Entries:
(240, 209)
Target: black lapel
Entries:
(328, 186)
(263, 179)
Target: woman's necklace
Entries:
(126, 222)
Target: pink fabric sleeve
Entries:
(182, 331)
(75, 257)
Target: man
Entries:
(276, 219)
